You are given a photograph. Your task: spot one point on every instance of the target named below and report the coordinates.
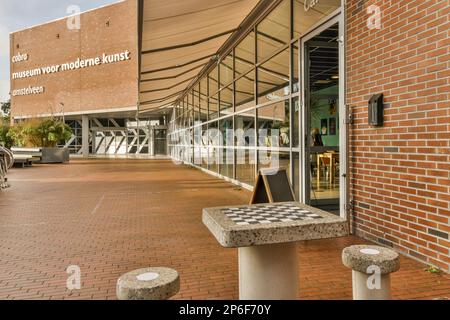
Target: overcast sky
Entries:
(16, 15)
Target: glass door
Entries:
(322, 119)
(160, 141)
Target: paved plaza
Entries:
(112, 216)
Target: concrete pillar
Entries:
(85, 136)
(268, 272)
(361, 290)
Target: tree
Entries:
(6, 108)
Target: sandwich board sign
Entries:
(272, 185)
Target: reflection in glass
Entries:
(226, 101)
(245, 55)
(273, 78)
(227, 163)
(214, 140)
(245, 166)
(227, 132)
(245, 129)
(213, 81)
(245, 92)
(196, 103)
(226, 71)
(273, 125)
(273, 159)
(214, 107)
(204, 100)
(204, 143)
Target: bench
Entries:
(45, 155)
(23, 160)
(34, 153)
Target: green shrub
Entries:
(44, 133)
(5, 139)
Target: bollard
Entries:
(371, 271)
(148, 284)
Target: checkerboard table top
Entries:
(243, 226)
(269, 213)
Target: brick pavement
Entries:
(113, 216)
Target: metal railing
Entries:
(6, 163)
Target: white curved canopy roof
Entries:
(178, 39)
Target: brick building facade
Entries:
(400, 173)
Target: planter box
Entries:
(55, 155)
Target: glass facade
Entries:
(245, 113)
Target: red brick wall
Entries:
(400, 173)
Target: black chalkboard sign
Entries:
(272, 185)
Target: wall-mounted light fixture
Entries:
(376, 110)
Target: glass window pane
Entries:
(273, 125)
(214, 107)
(213, 134)
(273, 78)
(226, 71)
(295, 122)
(213, 142)
(245, 92)
(274, 159)
(245, 129)
(204, 100)
(203, 109)
(306, 16)
(245, 55)
(296, 175)
(189, 101)
(227, 163)
(295, 69)
(213, 81)
(274, 30)
(245, 166)
(196, 103)
(204, 151)
(226, 132)
(226, 101)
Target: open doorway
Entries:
(323, 120)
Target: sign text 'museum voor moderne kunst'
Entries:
(74, 65)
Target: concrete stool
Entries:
(372, 266)
(148, 284)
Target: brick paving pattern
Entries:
(113, 216)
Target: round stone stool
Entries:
(148, 284)
(372, 266)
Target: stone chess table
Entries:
(244, 226)
(266, 236)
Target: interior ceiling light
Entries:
(335, 77)
(323, 82)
